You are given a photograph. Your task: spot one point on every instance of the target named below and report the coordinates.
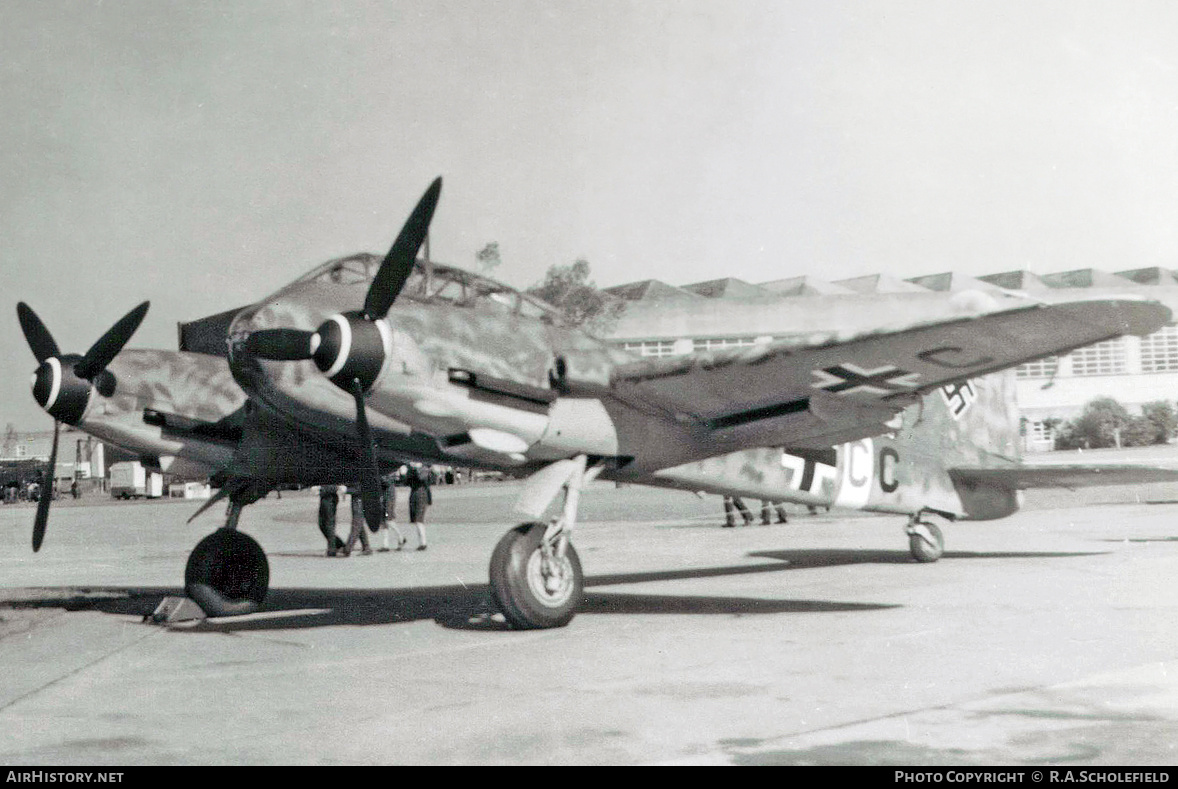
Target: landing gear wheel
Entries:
(531, 590)
(926, 542)
(227, 574)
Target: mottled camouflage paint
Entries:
(931, 441)
(915, 459)
(669, 415)
(194, 386)
(429, 340)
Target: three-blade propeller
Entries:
(286, 345)
(348, 348)
(63, 382)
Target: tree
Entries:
(488, 257)
(1106, 423)
(569, 289)
(1099, 425)
(1159, 421)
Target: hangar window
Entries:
(712, 343)
(1042, 432)
(1159, 351)
(1043, 368)
(651, 347)
(1103, 358)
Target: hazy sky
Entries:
(201, 154)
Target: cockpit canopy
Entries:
(436, 283)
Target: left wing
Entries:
(827, 388)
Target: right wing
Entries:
(827, 388)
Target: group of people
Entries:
(734, 504)
(416, 476)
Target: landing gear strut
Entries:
(227, 572)
(536, 577)
(925, 540)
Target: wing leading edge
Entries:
(857, 381)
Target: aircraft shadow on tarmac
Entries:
(834, 557)
(470, 607)
(455, 607)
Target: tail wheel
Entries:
(926, 542)
(227, 574)
(533, 590)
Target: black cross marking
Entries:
(845, 377)
(811, 459)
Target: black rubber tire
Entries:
(921, 550)
(227, 574)
(526, 606)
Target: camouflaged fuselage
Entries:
(415, 396)
(901, 472)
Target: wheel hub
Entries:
(550, 577)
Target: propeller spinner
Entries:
(63, 382)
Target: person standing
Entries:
(388, 491)
(731, 505)
(328, 502)
(359, 527)
(766, 511)
(420, 498)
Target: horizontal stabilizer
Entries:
(1083, 475)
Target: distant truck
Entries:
(130, 480)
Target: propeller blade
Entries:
(369, 474)
(280, 345)
(398, 263)
(39, 339)
(109, 344)
(42, 519)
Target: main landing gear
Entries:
(227, 572)
(925, 540)
(536, 577)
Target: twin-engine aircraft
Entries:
(364, 363)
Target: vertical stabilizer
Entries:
(974, 424)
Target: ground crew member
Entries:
(420, 497)
(328, 500)
(766, 510)
(731, 505)
(388, 523)
(359, 527)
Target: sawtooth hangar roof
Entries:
(791, 287)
